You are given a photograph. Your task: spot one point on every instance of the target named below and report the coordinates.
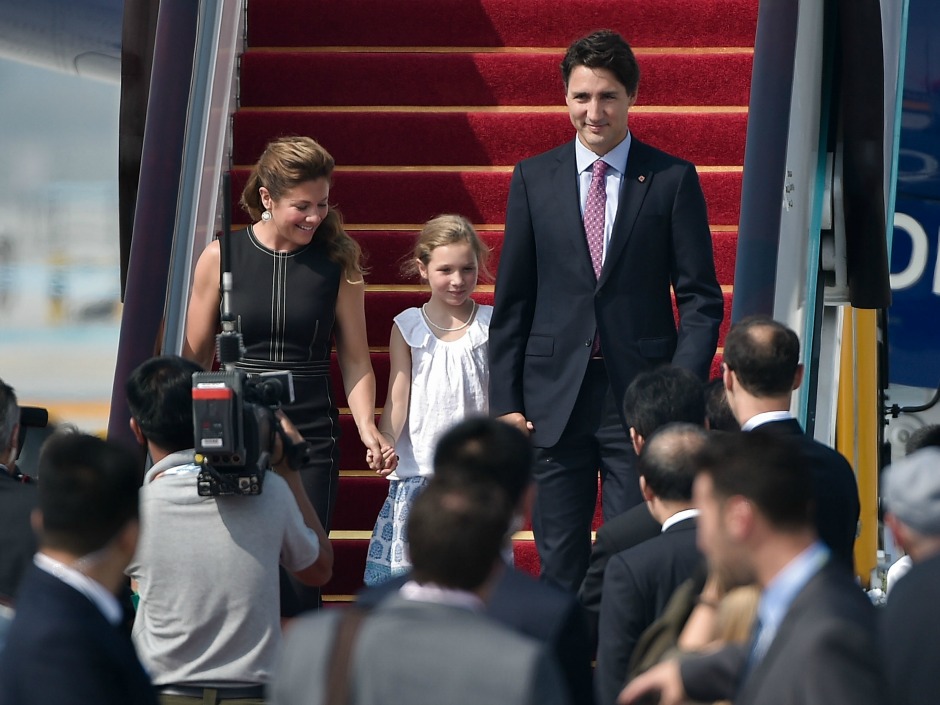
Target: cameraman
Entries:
(208, 623)
(18, 498)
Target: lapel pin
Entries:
(641, 178)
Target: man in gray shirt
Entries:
(206, 568)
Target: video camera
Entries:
(235, 428)
(234, 420)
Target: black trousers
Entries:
(566, 476)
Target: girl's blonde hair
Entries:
(447, 229)
(286, 163)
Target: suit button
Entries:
(589, 342)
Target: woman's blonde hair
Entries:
(286, 163)
(447, 229)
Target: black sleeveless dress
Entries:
(285, 305)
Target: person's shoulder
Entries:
(544, 159)
(656, 157)
(412, 327)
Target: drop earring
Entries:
(266, 216)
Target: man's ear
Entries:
(35, 520)
(138, 434)
(739, 517)
(127, 538)
(798, 377)
(637, 440)
(645, 489)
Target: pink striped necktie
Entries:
(594, 209)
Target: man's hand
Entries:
(519, 421)
(279, 452)
(663, 679)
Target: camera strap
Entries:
(337, 680)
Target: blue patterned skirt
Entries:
(388, 549)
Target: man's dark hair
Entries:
(604, 49)
(764, 355)
(764, 468)
(456, 531)
(160, 399)
(481, 449)
(718, 414)
(88, 492)
(923, 437)
(663, 395)
(9, 414)
(667, 462)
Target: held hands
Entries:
(519, 421)
(380, 451)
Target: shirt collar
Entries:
(99, 595)
(680, 516)
(765, 417)
(780, 592)
(615, 158)
(181, 461)
(429, 592)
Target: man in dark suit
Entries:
(638, 582)
(65, 644)
(598, 232)
(18, 498)
(911, 619)
(761, 370)
(815, 639)
(483, 450)
(667, 394)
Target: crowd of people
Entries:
(723, 570)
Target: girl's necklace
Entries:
(473, 310)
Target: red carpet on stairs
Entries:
(427, 105)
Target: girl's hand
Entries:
(385, 464)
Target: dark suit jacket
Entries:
(17, 540)
(824, 653)
(533, 608)
(834, 488)
(548, 302)
(910, 624)
(624, 531)
(637, 585)
(61, 650)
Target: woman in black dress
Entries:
(297, 286)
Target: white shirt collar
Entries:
(99, 595)
(430, 592)
(680, 516)
(615, 158)
(765, 417)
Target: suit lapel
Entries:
(633, 190)
(571, 227)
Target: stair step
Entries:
(350, 563)
(494, 23)
(368, 196)
(379, 138)
(474, 78)
(387, 250)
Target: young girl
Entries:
(438, 376)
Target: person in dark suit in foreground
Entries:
(815, 638)
(638, 582)
(599, 233)
(65, 645)
(430, 643)
(761, 370)
(910, 621)
(657, 397)
(484, 450)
